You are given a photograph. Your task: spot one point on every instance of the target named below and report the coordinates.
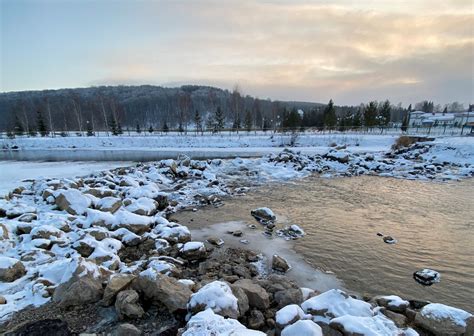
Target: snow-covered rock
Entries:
(143, 206)
(302, 328)
(393, 303)
(263, 214)
(377, 325)
(336, 303)
(193, 250)
(427, 277)
(11, 269)
(109, 204)
(72, 201)
(441, 319)
(289, 315)
(217, 296)
(208, 323)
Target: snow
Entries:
(302, 328)
(440, 311)
(14, 172)
(288, 313)
(107, 202)
(336, 303)
(144, 204)
(395, 301)
(6, 262)
(193, 246)
(216, 295)
(77, 200)
(208, 323)
(377, 325)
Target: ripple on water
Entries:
(433, 223)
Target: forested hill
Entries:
(146, 105)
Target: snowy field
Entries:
(374, 142)
(13, 172)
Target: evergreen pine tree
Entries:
(139, 130)
(41, 124)
(406, 120)
(119, 128)
(329, 114)
(150, 129)
(165, 127)
(370, 114)
(219, 119)
(248, 121)
(385, 113)
(90, 131)
(357, 119)
(113, 125)
(198, 121)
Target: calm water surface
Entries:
(433, 223)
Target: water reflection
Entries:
(433, 223)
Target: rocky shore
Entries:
(98, 254)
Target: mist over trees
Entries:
(117, 109)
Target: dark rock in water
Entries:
(237, 233)
(280, 264)
(389, 240)
(215, 241)
(50, 327)
(380, 234)
(427, 277)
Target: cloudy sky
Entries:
(351, 51)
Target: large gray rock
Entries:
(445, 320)
(263, 214)
(280, 264)
(79, 290)
(11, 269)
(127, 329)
(127, 305)
(116, 284)
(257, 296)
(72, 201)
(242, 299)
(162, 289)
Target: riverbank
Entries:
(62, 239)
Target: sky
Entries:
(350, 51)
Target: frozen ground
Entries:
(12, 173)
(367, 142)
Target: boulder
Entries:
(11, 269)
(72, 201)
(109, 204)
(2, 300)
(263, 214)
(393, 303)
(127, 305)
(84, 248)
(116, 283)
(303, 327)
(256, 319)
(143, 206)
(162, 290)
(216, 295)
(400, 320)
(444, 320)
(280, 264)
(257, 296)
(193, 251)
(27, 217)
(127, 329)
(242, 299)
(288, 296)
(427, 277)
(215, 241)
(45, 232)
(289, 315)
(78, 290)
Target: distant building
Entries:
(424, 119)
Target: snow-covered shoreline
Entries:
(60, 230)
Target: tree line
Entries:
(188, 108)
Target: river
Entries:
(432, 222)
